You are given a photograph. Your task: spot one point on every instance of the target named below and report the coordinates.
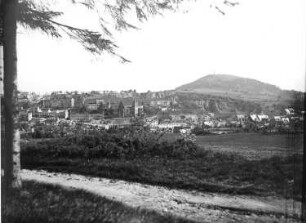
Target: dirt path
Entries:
(208, 207)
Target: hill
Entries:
(270, 97)
(234, 87)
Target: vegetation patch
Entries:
(177, 164)
(38, 202)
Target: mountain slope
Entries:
(234, 87)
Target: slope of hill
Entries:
(269, 97)
(234, 87)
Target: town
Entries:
(60, 112)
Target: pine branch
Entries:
(115, 15)
(39, 18)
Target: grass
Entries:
(252, 140)
(214, 172)
(254, 145)
(38, 202)
(174, 164)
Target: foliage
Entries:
(129, 143)
(207, 172)
(47, 203)
(133, 155)
(40, 17)
(215, 103)
(199, 131)
(110, 15)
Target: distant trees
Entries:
(149, 110)
(121, 109)
(83, 109)
(100, 108)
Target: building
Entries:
(119, 123)
(289, 111)
(61, 101)
(171, 125)
(25, 115)
(133, 110)
(240, 117)
(160, 103)
(48, 113)
(93, 103)
(263, 117)
(86, 117)
(259, 118)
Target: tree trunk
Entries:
(304, 174)
(12, 138)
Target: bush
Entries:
(112, 145)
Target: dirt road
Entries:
(202, 207)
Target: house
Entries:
(282, 119)
(79, 117)
(289, 111)
(240, 117)
(235, 123)
(221, 123)
(254, 117)
(259, 118)
(209, 123)
(38, 120)
(206, 117)
(192, 117)
(48, 113)
(119, 122)
(171, 125)
(212, 115)
(263, 117)
(93, 103)
(285, 120)
(86, 117)
(92, 107)
(163, 103)
(152, 121)
(163, 109)
(185, 131)
(25, 115)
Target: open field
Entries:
(254, 145)
(176, 164)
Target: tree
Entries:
(121, 109)
(11, 142)
(100, 108)
(36, 16)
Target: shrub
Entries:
(112, 145)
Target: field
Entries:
(233, 164)
(254, 145)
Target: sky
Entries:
(259, 39)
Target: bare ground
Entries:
(201, 207)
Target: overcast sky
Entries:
(260, 39)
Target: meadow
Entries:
(254, 145)
(175, 163)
